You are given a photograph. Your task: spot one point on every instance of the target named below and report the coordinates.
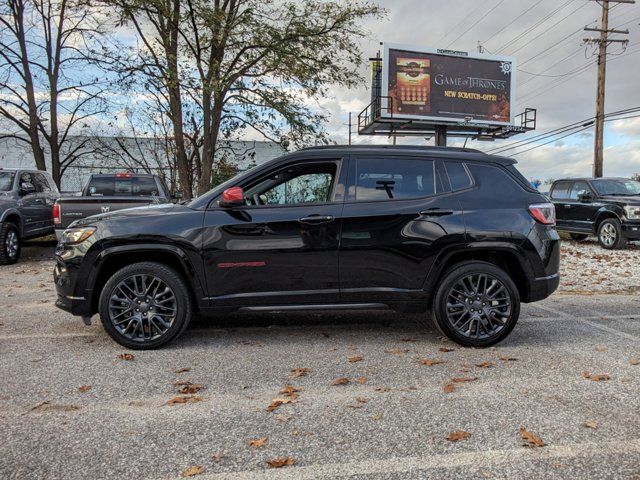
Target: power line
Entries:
(513, 21)
(476, 22)
(469, 15)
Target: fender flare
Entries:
(16, 212)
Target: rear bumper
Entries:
(543, 287)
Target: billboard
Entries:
(443, 86)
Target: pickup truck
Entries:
(606, 207)
(105, 193)
(26, 206)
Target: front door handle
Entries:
(567, 206)
(436, 212)
(316, 219)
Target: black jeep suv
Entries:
(607, 207)
(406, 228)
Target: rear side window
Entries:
(41, 183)
(123, 186)
(560, 191)
(394, 179)
(458, 175)
(494, 179)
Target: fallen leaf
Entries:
(397, 351)
(458, 435)
(508, 359)
(591, 424)
(85, 388)
(485, 365)
(216, 457)
(187, 399)
(281, 462)
(359, 402)
(430, 363)
(258, 442)
(127, 356)
(276, 402)
(355, 358)
(192, 471)
(463, 379)
(377, 416)
(281, 417)
(449, 388)
(601, 349)
(340, 381)
(48, 406)
(362, 380)
(189, 388)
(183, 370)
(290, 391)
(383, 389)
(446, 349)
(531, 439)
(634, 361)
(596, 377)
(300, 372)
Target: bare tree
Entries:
(50, 87)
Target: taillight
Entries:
(57, 219)
(544, 213)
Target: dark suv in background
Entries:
(370, 227)
(606, 207)
(26, 209)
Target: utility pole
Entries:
(603, 43)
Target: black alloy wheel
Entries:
(477, 304)
(145, 305)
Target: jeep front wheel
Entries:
(9, 244)
(145, 305)
(476, 304)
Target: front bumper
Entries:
(68, 299)
(631, 230)
(59, 232)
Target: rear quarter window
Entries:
(458, 175)
(494, 179)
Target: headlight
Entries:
(633, 213)
(76, 235)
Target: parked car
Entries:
(606, 207)
(406, 228)
(26, 202)
(109, 193)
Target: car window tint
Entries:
(458, 175)
(294, 185)
(25, 177)
(6, 181)
(561, 191)
(578, 189)
(494, 179)
(114, 186)
(393, 179)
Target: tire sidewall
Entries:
(5, 229)
(620, 240)
(167, 275)
(440, 303)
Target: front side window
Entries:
(393, 179)
(295, 185)
(561, 191)
(622, 188)
(579, 188)
(6, 181)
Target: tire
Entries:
(144, 321)
(503, 316)
(579, 236)
(610, 234)
(10, 244)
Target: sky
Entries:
(566, 94)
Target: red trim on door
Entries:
(241, 264)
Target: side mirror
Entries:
(26, 188)
(232, 197)
(585, 197)
(177, 196)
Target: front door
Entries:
(396, 217)
(31, 206)
(281, 246)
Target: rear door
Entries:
(581, 213)
(31, 206)
(281, 246)
(559, 194)
(397, 216)
(47, 195)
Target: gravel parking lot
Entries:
(351, 395)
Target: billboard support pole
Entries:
(441, 135)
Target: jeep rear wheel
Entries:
(476, 305)
(145, 306)
(9, 244)
(610, 234)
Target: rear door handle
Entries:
(436, 212)
(567, 206)
(316, 219)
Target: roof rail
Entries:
(425, 148)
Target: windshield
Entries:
(6, 181)
(617, 187)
